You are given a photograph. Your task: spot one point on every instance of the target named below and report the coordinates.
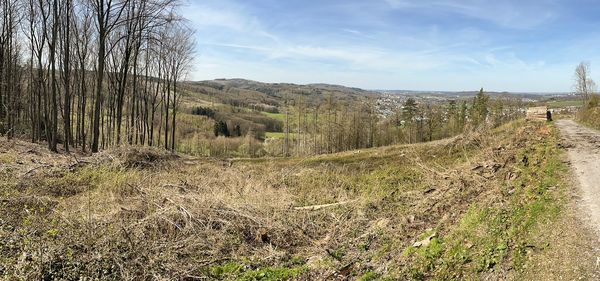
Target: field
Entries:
(276, 116)
(463, 208)
(563, 103)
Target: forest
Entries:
(92, 74)
(320, 121)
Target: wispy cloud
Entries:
(522, 14)
(427, 44)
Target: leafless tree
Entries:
(584, 85)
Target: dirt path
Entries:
(583, 146)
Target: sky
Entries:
(441, 45)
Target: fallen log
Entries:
(318, 207)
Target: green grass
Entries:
(564, 103)
(276, 116)
(278, 135)
(236, 271)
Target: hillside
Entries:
(471, 207)
(250, 117)
(252, 94)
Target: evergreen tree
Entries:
(221, 129)
(462, 115)
(409, 112)
(237, 131)
(480, 108)
(452, 117)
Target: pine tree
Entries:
(480, 108)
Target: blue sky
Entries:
(502, 45)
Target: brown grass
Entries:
(136, 213)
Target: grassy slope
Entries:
(590, 118)
(120, 215)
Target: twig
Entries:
(36, 168)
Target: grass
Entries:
(279, 135)
(235, 219)
(590, 118)
(236, 271)
(492, 236)
(563, 103)
(276, 116)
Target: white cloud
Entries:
(523, 14)
(235, 42)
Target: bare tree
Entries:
(181, 50)
(584, 85)
(108, 14)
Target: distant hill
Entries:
(247, 93)
(468, 94)
(270, 96)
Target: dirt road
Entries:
(583, 146)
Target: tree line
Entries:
(335, 126)
(91, 74)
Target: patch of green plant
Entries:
(338, 253)
(272, 274)
(369, 276)
(236, 271)
(227, 270)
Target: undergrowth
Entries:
(131, 214)
(499, 236)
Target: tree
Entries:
(409, 113)
(108, 15)
(463, 115)
(479, 109)
(221, 129)
(180, 57)
(452, 117)
(584, 85)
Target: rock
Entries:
(425, 242)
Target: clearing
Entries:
(486, 205)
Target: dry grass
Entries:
(137, 213)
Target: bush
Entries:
(594, 101)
